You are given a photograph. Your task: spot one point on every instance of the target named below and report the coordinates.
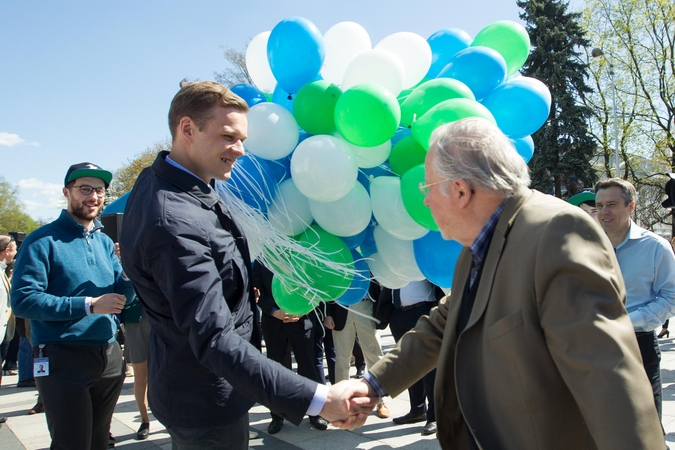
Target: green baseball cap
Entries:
(582, 197)
(86, 169)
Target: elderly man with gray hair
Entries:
(533, 348)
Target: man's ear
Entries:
(463, 192)
(187, 128)
(66, 193)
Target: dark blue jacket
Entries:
(189, 263)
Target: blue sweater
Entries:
(59, 265)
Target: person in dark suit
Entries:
(189, 261)
(410, 303)
(534, 348)
(282, 331)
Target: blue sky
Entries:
(92, 81)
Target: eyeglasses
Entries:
(424, 188)
(87, 190)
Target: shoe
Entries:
(25, 383)
(37, 409)
(3, 419)
(664, 332)
(275, 425)
(143, 432)
(10, 372)
(318, 422)
(111, 441)
(252, 434)
(429, 428)
(359, 372)
(410, 418)
(383, 411)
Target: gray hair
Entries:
(628, 191)
(475, 150)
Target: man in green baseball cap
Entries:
(586, 201)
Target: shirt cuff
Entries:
(377, 387)
(320, 396)
(87, 305)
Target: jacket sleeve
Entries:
(29, 290)
(183, 267)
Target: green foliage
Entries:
(564, 150)
(12, 215)
(125, 177)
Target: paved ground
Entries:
(30, 432)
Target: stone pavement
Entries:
(22, 431)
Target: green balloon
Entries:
(413, 199)
(367, 115)
(314, 107)
(406, 92)
(291, 299)
(428, 95)
(508, 38)
(322, 277)
(446, 112)
(406, 154)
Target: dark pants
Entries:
(80, 393)
(399, 324)
(279, 336)
(323, 339)
(651, 359)
(232, 436)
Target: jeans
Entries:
(25, 360)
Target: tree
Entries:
(236, 73)
(564, 150)
(12, 215)
(125, 176)
(636, 38)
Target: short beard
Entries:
(81, 215)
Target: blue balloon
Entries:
(436, 257)
(480, 68)
(283, 98)
(368, 246)
(358, 290)
(524, 147)
(356, 240)
(519, 105)
(295, 51)
(401, 133)
(251, 94)
(445, 44)
(253, 182)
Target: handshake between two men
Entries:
(348, 404)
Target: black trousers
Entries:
(80, 393)
(651, 359)
(231, 436)
(279, 337)
(399, 324)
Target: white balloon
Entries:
(324, 168)
(368, 157)
(376, 66)
(413, 51)
(389, 211)
(383, 275)
(258, 65)
(272, 131)
(289, 211)
(347, 216)
(343, 42)
(397, 254)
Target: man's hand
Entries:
(284, 317)
(329, 323)
(348, 404)
(108, 303)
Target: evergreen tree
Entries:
(563, 147)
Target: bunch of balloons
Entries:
(338, 133)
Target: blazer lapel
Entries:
(493, 257)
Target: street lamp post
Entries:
(596, 52)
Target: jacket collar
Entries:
(66, 222)
(184, 181)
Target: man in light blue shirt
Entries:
(648, 267)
